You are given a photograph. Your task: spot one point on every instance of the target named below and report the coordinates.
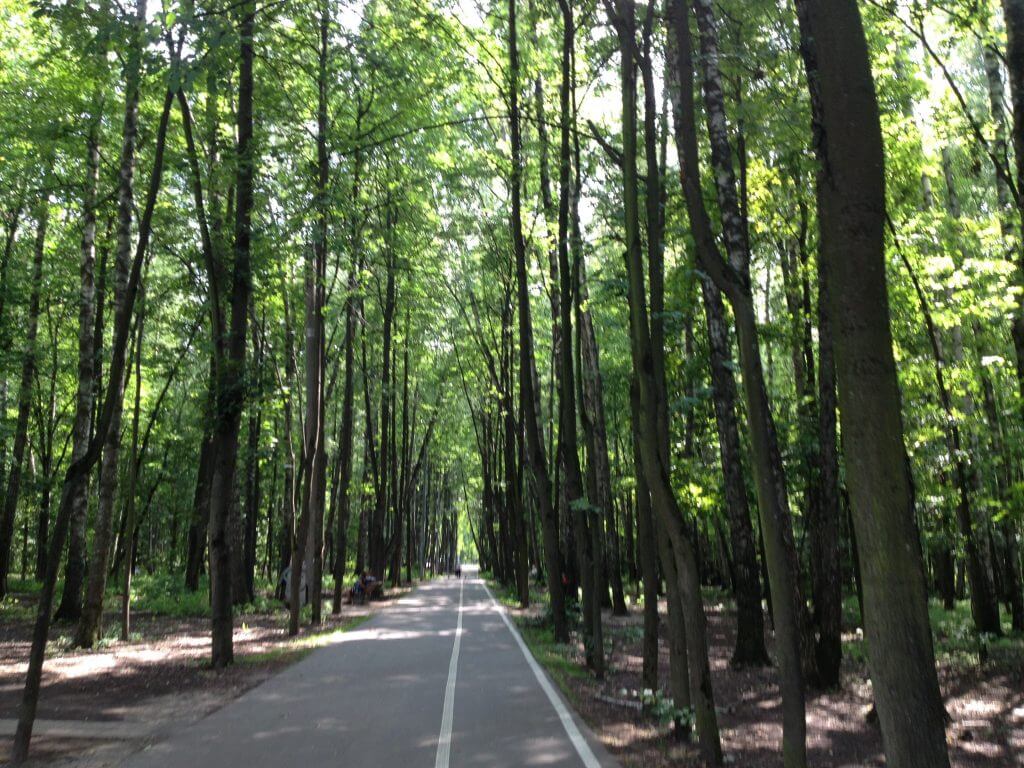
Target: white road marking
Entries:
(444, 743)
(582, 748)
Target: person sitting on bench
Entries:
(364, 588)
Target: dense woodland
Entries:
(624, 298)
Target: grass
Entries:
(20, 603)
(301, 646)
(538, 633)
(160, 594)
(957, 643)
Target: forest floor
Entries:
(99, 706)
(985, 702)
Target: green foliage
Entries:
(957, 643)
(165, 595)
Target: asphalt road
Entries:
(439, 679)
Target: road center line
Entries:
(444, 742)
(578, 741)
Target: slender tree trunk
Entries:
(984, 597)
(535, 446)
(750, 647)
(289, 503)
(376, 532)
(648, 565)
(318, 484)
(252, 477)
(79, 470)
(1014, 587)
(25, 395)
(12, 220)
(200, 519)
(341, 493)
(827, 573)
(89, 625)
(231, 378)
(643, 355)
(133, 476)
(70, 608)
(587, 525)
(592, 414)
(733, 279)
(1013, 15)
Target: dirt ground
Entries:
(158, 681)
(985, 705)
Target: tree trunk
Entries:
(133, 476)
(732, 279)
(827, 573)
(70, 608)
(587, 525)
(1013, 15)
(648, 565)
(342, 504)
(28, 372)
(252, 480)
(200, 520)
(750, 649)
(984, 597)
(1014, 585)
(231, 373)
(644, 356)
(851, 212)
(377, 553)
(79, 470)
(89, 625)
(12, 220)
(535, 446)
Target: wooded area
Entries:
(631, 300)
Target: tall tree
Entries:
(851, 214)
(27, 382)
(663, 498)
(231, 370)
(89, 625)
(527, 392)
(70, 608)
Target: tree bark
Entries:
(1014, 586)
(535, 445)
(750, 649)
(342, 504)
(231, 370)
(851, 212)
(648, 564)
(70, 608)
(78, 470)
(643, 355)
(133, 475)
(25, 395)
(586, 524)
(1013, 15)
(89, 624)
(732, 278)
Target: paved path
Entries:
(439, 679)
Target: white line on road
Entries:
(582, 748)
(444, 743)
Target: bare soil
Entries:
(985, 705)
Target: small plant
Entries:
(662, 708)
